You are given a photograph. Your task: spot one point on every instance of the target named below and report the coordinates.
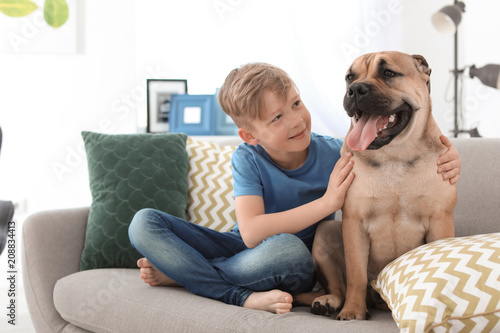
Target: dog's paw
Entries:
(322, 310)
(347, 314)
(326, 305)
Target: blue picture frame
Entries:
(224, 125)
(192, 114)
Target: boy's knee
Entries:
(292, 243)
(139, 225)
(301, 252)
(291, 247)
(296, 257)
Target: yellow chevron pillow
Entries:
(210, 185)
(450, 285)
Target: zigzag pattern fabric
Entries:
(450, 285)
(210, 185)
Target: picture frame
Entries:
(159, 95)
(224, 125)
(193, 114)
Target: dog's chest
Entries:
(394, 195)
(395, 204)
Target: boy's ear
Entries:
(247, 136)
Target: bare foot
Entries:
(275, 301)
(152, 276)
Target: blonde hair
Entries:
(241, 95)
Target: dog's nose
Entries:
(358, 89)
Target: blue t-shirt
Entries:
(254, 173)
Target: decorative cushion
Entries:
(210, 183)
(450, 285)
(128, 172)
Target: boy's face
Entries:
(285, 128)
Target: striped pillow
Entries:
(210, 185)
(450, 285)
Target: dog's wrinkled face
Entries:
(384, 92)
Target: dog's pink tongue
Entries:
(364, 132)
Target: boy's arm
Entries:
(255, 226)
(449, 164)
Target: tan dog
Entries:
(397, 201)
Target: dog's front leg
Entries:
(328, 254)
(356, 248)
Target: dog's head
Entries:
(384, 92)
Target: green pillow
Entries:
(128, 172)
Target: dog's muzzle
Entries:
(375, 123)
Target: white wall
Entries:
(48, 99)
(203, 40)
(420, 37)
(480, 47)
(477, 45)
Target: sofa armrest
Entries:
(51, 249)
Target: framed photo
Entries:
(159, 99)
(193, 114)
(224, 125)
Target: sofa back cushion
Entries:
(478, 194)
(210, 184)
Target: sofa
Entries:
(63, 298)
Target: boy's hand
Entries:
(449, 164)
(340, 180)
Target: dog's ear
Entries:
(423, 66)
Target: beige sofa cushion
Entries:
(210, 185)
(117, 300)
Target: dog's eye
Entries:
(349, 77)
(389, 73)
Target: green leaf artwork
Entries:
(17, 8)
(55, 12)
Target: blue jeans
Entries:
(218, 265)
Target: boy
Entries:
(286, 180)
